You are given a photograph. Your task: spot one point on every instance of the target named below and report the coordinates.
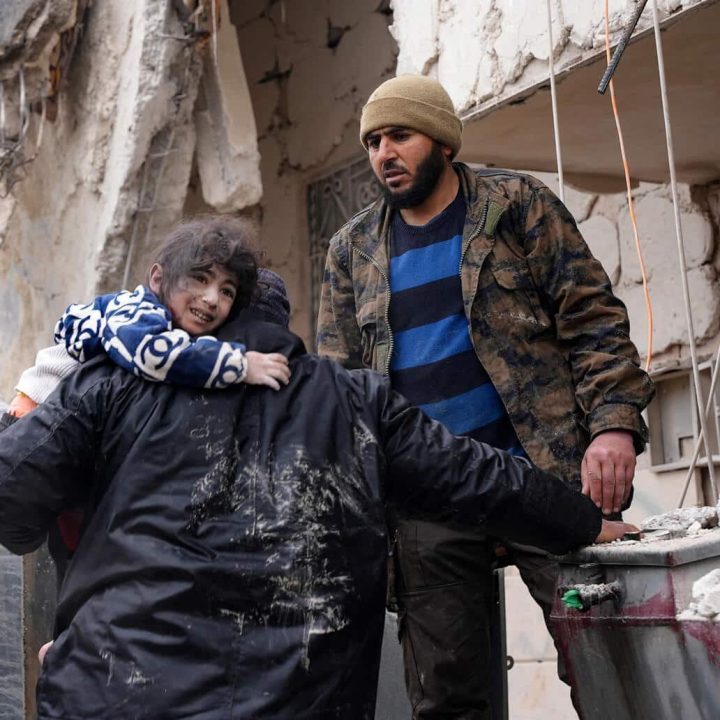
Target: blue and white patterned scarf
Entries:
(136, 332)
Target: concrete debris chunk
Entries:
(28, 28)
(705, 604)
(683, 519)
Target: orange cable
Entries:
(631, 204)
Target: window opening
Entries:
(332, 201)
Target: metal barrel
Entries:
(635, 648)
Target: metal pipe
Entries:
(553, 100)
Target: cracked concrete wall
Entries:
(310, 65)
(604, 221)
(112, 172)
(486, 50)
(67, 222)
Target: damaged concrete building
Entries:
(117, 119)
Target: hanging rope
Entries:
(681, 248)
(630, 201)
(553, 100)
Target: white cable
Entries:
(553, 101)
(681, 251)
(715, 364)
(213, 11)
(2, 113)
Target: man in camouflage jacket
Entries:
(552, 338)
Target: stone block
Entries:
(656, 227)
(601, 236)
(670, 327)
(610, 205)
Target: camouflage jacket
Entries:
(543, 319)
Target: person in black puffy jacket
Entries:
(233, 560)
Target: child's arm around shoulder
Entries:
(136, 331)
(52, 364)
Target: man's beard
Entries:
(427, 175)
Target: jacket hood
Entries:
(262, 336)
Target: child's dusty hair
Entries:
(200, 242)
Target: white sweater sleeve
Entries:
(52, 364)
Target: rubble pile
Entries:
(691, 519)
(705, 604)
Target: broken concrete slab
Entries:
(29, 27)
(227, 155)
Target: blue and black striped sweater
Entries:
(434, 363)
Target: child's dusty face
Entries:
(202, 301)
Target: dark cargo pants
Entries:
(444, 591)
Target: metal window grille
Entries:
(332, 201)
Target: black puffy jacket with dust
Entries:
(233, 560)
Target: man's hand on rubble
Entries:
(612, 530)
(608, 468)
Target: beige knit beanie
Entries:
(413, 101)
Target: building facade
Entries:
(117, 119)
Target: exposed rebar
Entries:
(620, 49)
